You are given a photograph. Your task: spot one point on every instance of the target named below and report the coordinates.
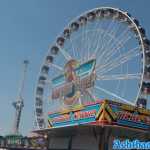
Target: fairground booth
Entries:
(96, 126)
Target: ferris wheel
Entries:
(101, 54)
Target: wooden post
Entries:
(70, 143)
(105, 140)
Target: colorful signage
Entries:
(75, 80)
(86, 115)
(103, 112)
(73, 68)
(131, 116)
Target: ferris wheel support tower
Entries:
(19, 103)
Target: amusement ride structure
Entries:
(103, 53)
(19, 103)
(94, 83)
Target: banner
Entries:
(103, 112)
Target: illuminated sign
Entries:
(134, 120)
(61, 118)
(131, 116)
(86, 115)
(103, 112)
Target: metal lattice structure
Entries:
(19, 103)
(118, 45)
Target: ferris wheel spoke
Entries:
(114, 51)
(111, 25)
(111, 49)
(73, 48)
(98, 32)
(92, 43)
(66, 55)
(113, 94)
(115, 64)
(88, 45)
(96, 35)
(91, 95)
(120, 77)
(98, 42)
(100, 49)
(48, 81)
(101, 40)
(57, 67)
(118, 61)
(82, 46)
(97, 49)
(112, 42)
(86, 42)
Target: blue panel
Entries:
(83, 70)
(133, 124)
(58, 80)
(73, 120)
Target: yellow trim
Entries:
(127, 107)
(144, 111)
(100, 110)
(65, 111)
(101, 117)
(75, 108)
(108, 118)
(105, 116)
(49, 119)
(111, 112)
(105, 112)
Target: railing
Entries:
(18, 142)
